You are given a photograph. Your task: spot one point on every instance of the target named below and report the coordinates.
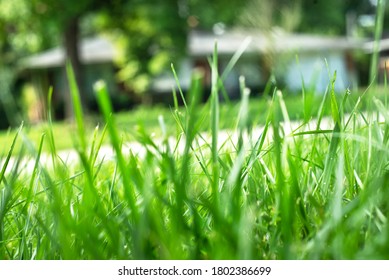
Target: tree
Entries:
(66, 16)
(14, 43)
(310, 16)
(32, 25)
(152, 35)
(209, 13)
(266, 15)
(153, 32)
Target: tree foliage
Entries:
(311, 16)
(151, 35)
(209, 13)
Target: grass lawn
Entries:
(129, 122)
(146, 118)
(311, 194)
(307, 194)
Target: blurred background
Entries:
(131, 44)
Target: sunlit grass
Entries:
(147, 118)
(318, 191)
(203, 181)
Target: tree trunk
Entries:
(72, 54)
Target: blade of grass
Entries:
(334, 104)
(190, 133)
(235, 58)
(283, 193)
(6, 193)
(307, 96)
(77, 106)
(215, 114)
(179, 86)
(106, 109)
(34, 173)
(380, 14)
(50, 132)
(8, 158)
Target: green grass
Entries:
(146, 118)
(129, 122)
(319, 191)
(308, 194)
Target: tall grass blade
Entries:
(307, 95)
(50, 133)
(77, 106)
(179, 86)
(106, 109)
(190, 133)
(334, 104)
(380, 14)
(34, 173)
(8, 158)
(386, 69)
(235, 58)
(215, 114)
(282, 193)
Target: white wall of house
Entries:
(312, 68)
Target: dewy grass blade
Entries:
(331, 158)
(334, 103)
(321, 112)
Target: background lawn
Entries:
(129, 122)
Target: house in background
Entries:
(47, 69)
(294, 59)
(290, 57)
(383, 61)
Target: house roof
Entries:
(92, 50)
(201, 43)
(383, 45)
